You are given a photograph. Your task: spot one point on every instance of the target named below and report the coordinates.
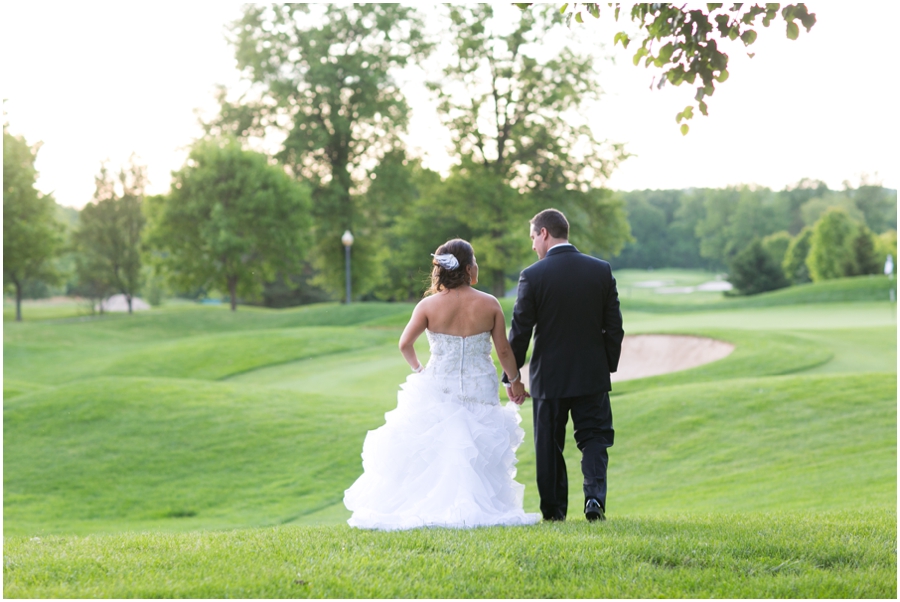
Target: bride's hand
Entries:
(517, 393)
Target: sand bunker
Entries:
(653, 354)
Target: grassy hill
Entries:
(130, 442)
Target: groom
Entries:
(569, 300)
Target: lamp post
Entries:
(347, 239)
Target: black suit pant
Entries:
(592, 419)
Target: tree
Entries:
(887, 245)
(108, 238)
(521, 146)
(323, 77)
(754, 270)
(413, 217)
(230, 220)
(878, 204)
(31, 233)
(794, 263)
(734, 217)
(776, 245)
(813, 209)
(681, 41)
(831, 252)
(866, 257)
(796, 195)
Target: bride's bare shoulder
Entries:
(486, 298)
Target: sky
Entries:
(98, 81)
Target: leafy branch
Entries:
(682, 43)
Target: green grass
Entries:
(781, 555)
(46, 309)
(855, 350)
(216, 356)
(756, 353)
(133, 445)
(844, 290)
(133, 453)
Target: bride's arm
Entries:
(501, 344)
(417, 325)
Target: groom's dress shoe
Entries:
(593, 511)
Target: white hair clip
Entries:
(448, 261)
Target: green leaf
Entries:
(792, 31)
(665, 53)
(684, 129)
(618, 7)
(723, 76)
(711, 6)
(703, 108)
(578, 17)
(808, 19)
(637, 55)
(748, 37)
(563, 8)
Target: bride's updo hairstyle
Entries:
(441, 277)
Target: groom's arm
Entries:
(612, 325)
(523, 321)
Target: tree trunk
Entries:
(232, 288)
(18, 302)
(498, 283)
(128, 298)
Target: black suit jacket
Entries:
(569, 300)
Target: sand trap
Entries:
(653, 354)
(120, 303)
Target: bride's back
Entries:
(461, 311)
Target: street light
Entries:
(347, 239)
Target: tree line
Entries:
(763, 239)
(267, 228)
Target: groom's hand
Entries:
(517, 393)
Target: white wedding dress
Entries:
(446, 455)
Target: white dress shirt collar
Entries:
(562, 244)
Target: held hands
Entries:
(517, 393)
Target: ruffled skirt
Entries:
(440, 461)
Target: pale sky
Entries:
(100, 80)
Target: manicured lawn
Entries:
(189, 451)
(774, 555)
(142, 453)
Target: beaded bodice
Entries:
(464, 367)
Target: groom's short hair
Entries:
(554, 221)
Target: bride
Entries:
(446, 455)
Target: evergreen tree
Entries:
(754, 270)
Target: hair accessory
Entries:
(448, 261)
